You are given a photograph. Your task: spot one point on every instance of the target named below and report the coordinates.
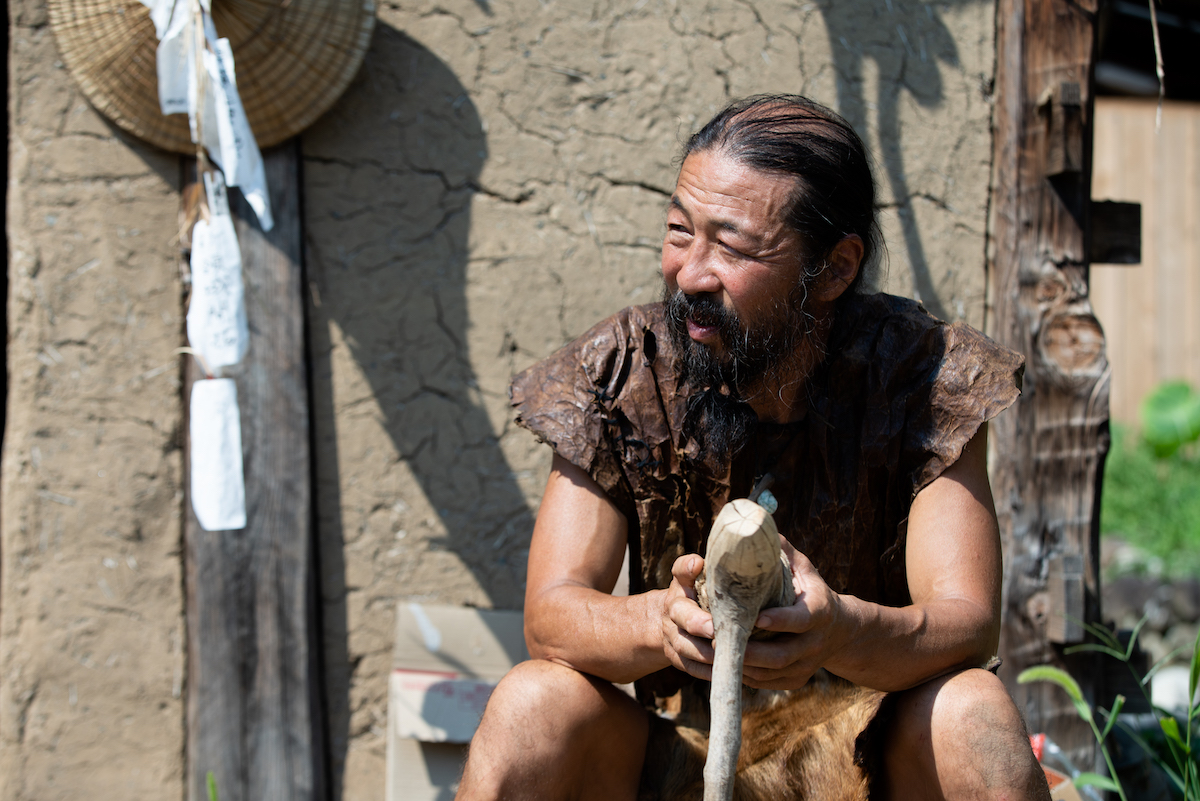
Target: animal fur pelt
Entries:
(819, 743)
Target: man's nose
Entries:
(697, 275)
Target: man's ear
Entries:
(841, 269)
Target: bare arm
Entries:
(953, 562)
(574, 559)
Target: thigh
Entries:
(959, 736)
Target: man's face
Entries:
(733, 270)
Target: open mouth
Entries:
(702, 318)
(702, 329)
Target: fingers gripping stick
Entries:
(744, 572)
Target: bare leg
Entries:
(550, 732)
(957, 737)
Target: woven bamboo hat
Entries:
(294, 58)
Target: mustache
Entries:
(703, 310)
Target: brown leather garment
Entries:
(893, 404)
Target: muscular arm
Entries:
(574, 558)
(953, 560)
(954, 565)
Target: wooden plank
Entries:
(1049, 449)
(1152, 319)
(253, 710)
(1189, 119)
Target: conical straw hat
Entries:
(293, 58)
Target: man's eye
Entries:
(676, 227)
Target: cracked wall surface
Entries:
(492, 184)
(91, 608)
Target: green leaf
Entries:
(212, 787)
(1170, 417)
(1099, 632)
(1062, 679)
(1133, 637)
(1154, 755)
(1166, 660)
(1052, 674)
(1170, 727)
(1118, 703)
(1103, 633)
(1096, 780)
(1092, 647)
(1195, 672)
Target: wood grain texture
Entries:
(1151, 312)
(253, 709)
(1049, 448)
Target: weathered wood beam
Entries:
(1049, 449)
(253, 710)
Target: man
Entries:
(765, 360)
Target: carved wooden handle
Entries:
(743, 574)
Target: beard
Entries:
(719, 416)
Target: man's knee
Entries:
(964, 729)
(552, 698)
(547, 730)
(969, 698)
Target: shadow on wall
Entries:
(389, 181)
(909, 60)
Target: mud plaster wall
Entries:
(492, 183)
(91, 612)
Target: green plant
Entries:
(1170, 417)
(212, 786)
(1180, 760)
(1153, 502)
(1064, 680)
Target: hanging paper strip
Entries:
(216, 318)
(220, 126)
(218, 488)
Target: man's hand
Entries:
(808, 631)
(812, 631)
(687, 630)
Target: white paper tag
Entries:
(161, 11)
(217, 482)
(175, 57)
(224, 128)
(216, 318)
(227, 134)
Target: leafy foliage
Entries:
(1179, 761)
(1153, 502)
(1170, 417)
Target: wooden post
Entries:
(1049, 449)
(253, 710)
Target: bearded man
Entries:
(765, 361)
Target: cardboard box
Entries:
(446, 661)
(1061, 788)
